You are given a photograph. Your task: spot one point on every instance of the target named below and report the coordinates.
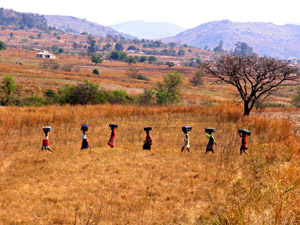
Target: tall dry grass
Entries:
(126, 185)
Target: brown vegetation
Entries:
(126, 185)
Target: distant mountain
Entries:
(280, 41)
(76, 25)
(148, 30)
(9, 17)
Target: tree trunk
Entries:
(246, 108)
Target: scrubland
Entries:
(126, 185)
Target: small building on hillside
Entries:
(45, 55)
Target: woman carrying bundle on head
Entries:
(46, 144)
(186, 143)
(148, 141)
(85, 143)
(111, 141)
(211, 140)
(243, 134)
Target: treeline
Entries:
(89, 93)
(164, 52)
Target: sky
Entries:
(185, 13)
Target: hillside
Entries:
(76, 25)
(265, 38)
(148, 30)
(23, 20)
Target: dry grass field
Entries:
(126, 185)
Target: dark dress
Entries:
(147, 142)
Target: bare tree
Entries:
(254, 77)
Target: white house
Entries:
(45, 55)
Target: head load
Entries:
(147, 128)
(113, 126)
(47, 129)
(210, 130)
(84, 127)
(185, 129)
(244, 131)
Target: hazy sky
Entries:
(185, 13)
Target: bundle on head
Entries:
(147, 128)
(113, 126)
(210, 130)
(244, 131)
(186, 128)
(47, 129)
(84, 127)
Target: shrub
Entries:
(67, 68)
(95, 71)
(142, 77)
(147, 98)
(198, 78)
(82, 94)
(118, 97)
(34, 101)
(132, 72)
(168, 91)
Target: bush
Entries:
(67, 68)
(147, 98)
(198, 78)
(132, 72)
(50, 65)
(168, 91)
(82, 94)
(95, 71)
(118, 97)
(142, 77)
(35, 101)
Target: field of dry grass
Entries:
(127, 185)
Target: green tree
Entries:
(119, 47)
(131, 47)
(96, 59)
(131, 60)
(143, 59)
(92, 48)
(170, 64)
(181, 52)
(54, 48)
(95, 71)
(2, 46)
(117, 55)
(172, 45)
(8, 87)
(82, 94)
(9, 84)
(152, 59)
(107, 47)
(61, 50)
(168, 91)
